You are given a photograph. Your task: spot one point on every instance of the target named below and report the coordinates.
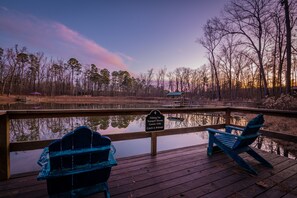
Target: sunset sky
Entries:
(133, 35)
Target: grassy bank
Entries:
(81, 99)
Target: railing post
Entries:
(153, 143)
(227, 116)
(4, 148)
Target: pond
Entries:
(52, 128)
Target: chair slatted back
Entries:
(251, 130)
(79, 140)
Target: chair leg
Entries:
(241, 162)
(106, 192)
(259, 158)
(209, 151)
(210, 144)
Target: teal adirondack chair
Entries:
(77, 165)
(233, 145)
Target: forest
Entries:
(251, 49)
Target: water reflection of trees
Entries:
(120, 122)
(280, 147)
(27, 130)
(191, 120)
(98, 123)
(53, 128)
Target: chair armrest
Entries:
(213, 131)
(113, 149)
(249, 136)
(256, 126)
(43, 159)
(234, 128)
(46, 173)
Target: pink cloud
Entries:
(129, 58)
(57, 39)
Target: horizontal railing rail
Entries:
(21, 114)
(32, 145)
(5, 116)
(52, 113)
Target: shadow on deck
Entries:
(186, 172)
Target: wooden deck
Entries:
(186, 172)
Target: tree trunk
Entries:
(216, 76)
(289, 47)
(263, 76)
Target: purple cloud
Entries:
(56, 39)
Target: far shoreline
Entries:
(86, 99)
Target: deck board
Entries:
(186, 172)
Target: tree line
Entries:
(252, 45)
(251, 51)
(23, 73)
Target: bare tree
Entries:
(12, 66)
(241, 62)
(211, 41)
(22, 59)
(278, 51)
(251, 20)
(4, 72)
(75, 67)
(149, 78)
(34, 70)
(163, 74)
(185, 75)
(228, 57)
(170, 77)
(177, 73)
(160, 80)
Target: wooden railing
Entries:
(5, 116)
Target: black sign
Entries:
(154, 121)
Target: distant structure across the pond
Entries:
(175, 94)
(178, 99)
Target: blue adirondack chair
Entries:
(77, 165)
(233, 145)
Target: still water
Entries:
(52, 128)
